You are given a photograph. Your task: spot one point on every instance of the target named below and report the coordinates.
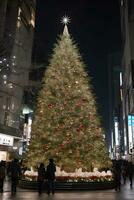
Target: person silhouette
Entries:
(124, 171)
(41, 177)
(2, 175)
(130, 173)
(50, 175)
(15, 174)
(117, 175)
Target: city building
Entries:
(29, 100)
(114, 73)
(17, 22)
(127, 89)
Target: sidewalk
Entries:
(125, 194)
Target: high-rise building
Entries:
(114, 69)
(17, 21)
(127, 29)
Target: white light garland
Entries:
(74, 175)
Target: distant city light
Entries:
(4, 106)
(120, 78)
(10, 85)
(116, 133)
(122, 3)
(4, 76)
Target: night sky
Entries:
(95, 27)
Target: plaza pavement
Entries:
(126, 193)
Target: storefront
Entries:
(6, 145)
(9, 147)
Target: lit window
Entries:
(12, 106)
(120, 78)
(4, 106)
(10, 85)
(19, 12)
(121, 95)
(4, 76)
(18, 23)
(32, 22)
(122, 3)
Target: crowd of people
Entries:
(14, 170)
(122, 170)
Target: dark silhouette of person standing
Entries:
(2, 175)
(130, 173)
(117, 175)
(124, 171)
(15, 174)
(50, 173)
(41, 177)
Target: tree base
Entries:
(69, 185)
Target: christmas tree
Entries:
(66, 126)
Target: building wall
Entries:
(127, 25)
(114, 69)
(3, 5)
(16, 36)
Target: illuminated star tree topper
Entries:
(65, 20)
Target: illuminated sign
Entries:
(6, 140)
(131, 120)
(116, 130)
(131, 130)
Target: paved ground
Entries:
(125, 194)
